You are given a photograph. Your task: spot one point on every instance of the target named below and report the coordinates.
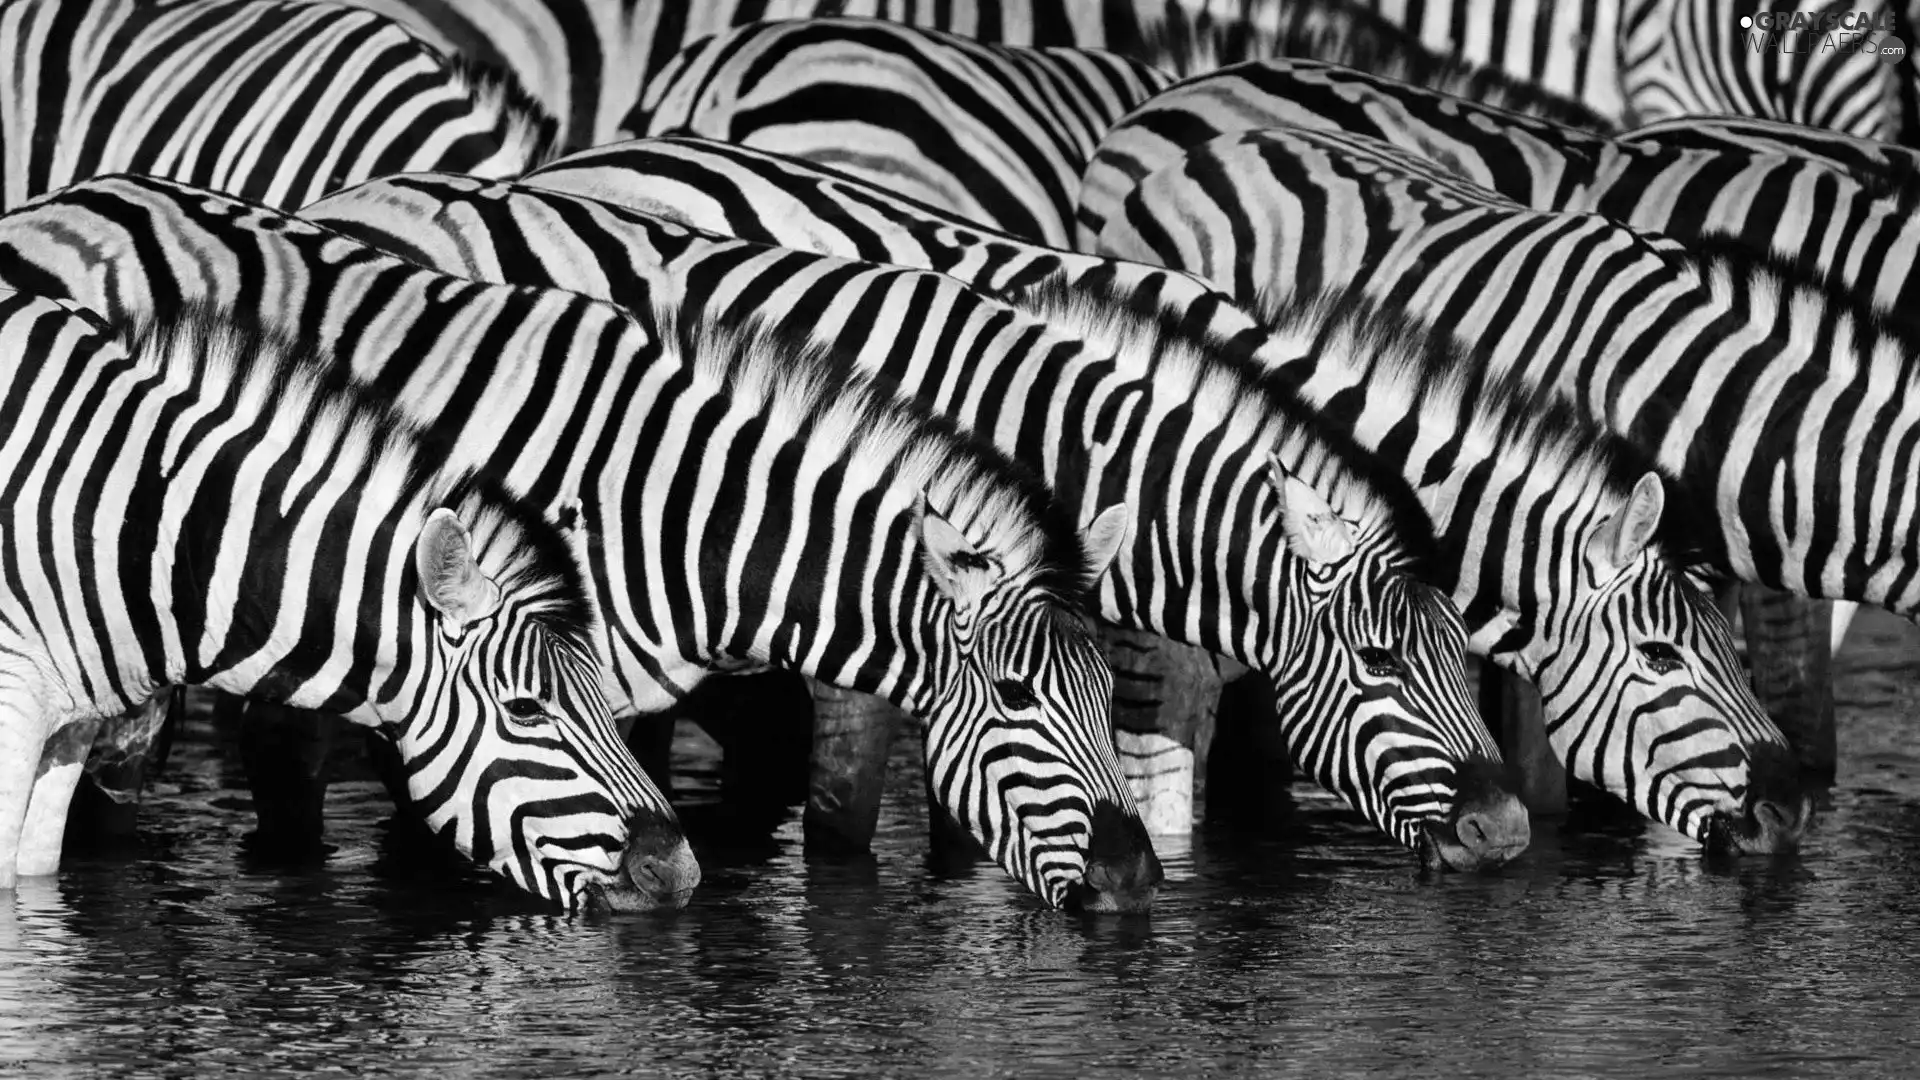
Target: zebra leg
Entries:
(62, 761)
(650, 737)
(1789, 651)
(1726, 595)
(23, 740)
(1512, 705)
(125, 749)
(847, 768)
(1843, 613)
(1164, 696)
(284, 751)
(763, 721)
(1249, 773)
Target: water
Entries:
(1611, 949)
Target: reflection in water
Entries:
(1610, 949)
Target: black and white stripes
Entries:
(276, 100)
(198, 505)
(740, 511)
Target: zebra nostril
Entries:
(1123, 874)
(1473, 832)
(658, 863)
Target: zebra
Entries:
(588, 61)
(1549, 482)
(1892, 168)
(1767, 196)
(1741, 374)
(1659, 60)
(1233, 551)
(998, 133)
(188, 501)
(276, 100)
(956, 597)
(1774, 200)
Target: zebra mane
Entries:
(302, 396)
(1337, 32)
(1502, 416)
(1723, 257)
(528, 130)
(1192, 364)
(811, 390)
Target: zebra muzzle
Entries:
(1775, 815)
(657, 870)
(1123, 874)
(1489, 826)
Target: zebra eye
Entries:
(1379, 662)
(1015, 695)
(526, 711)
(1661, 656)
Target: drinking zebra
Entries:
(190, 501)
(745, 499)
(1537, 486)
(1745, 380)
(1230, 548)
(276, 100)
(1768, 196)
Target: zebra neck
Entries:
(1487, 560)
(1204, 571)
(281, 593)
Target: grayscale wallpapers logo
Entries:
(1868, 32)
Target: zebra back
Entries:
(1686, 58)
(232, 517)
(996, 133)
(715, 465)
(1894, 167)
(1570, 50)
(1108, 403)
(1744, 377)
(276, 100)
(1778, 200)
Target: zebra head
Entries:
(510, 746)
(1375, 705)
(1645, 696)
(1020, 743)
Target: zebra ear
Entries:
(450, 578)
(1622, 537)
(1103, 539)
(958, 569)
(1314, 532)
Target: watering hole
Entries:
(1610, 948)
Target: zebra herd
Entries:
(492, 374)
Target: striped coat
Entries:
(275, 100)
(996, 133)
(713, 480)
(1785, 405)
(1494, 570)
(1103, 402)
(193, 505)
(1836, 214)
